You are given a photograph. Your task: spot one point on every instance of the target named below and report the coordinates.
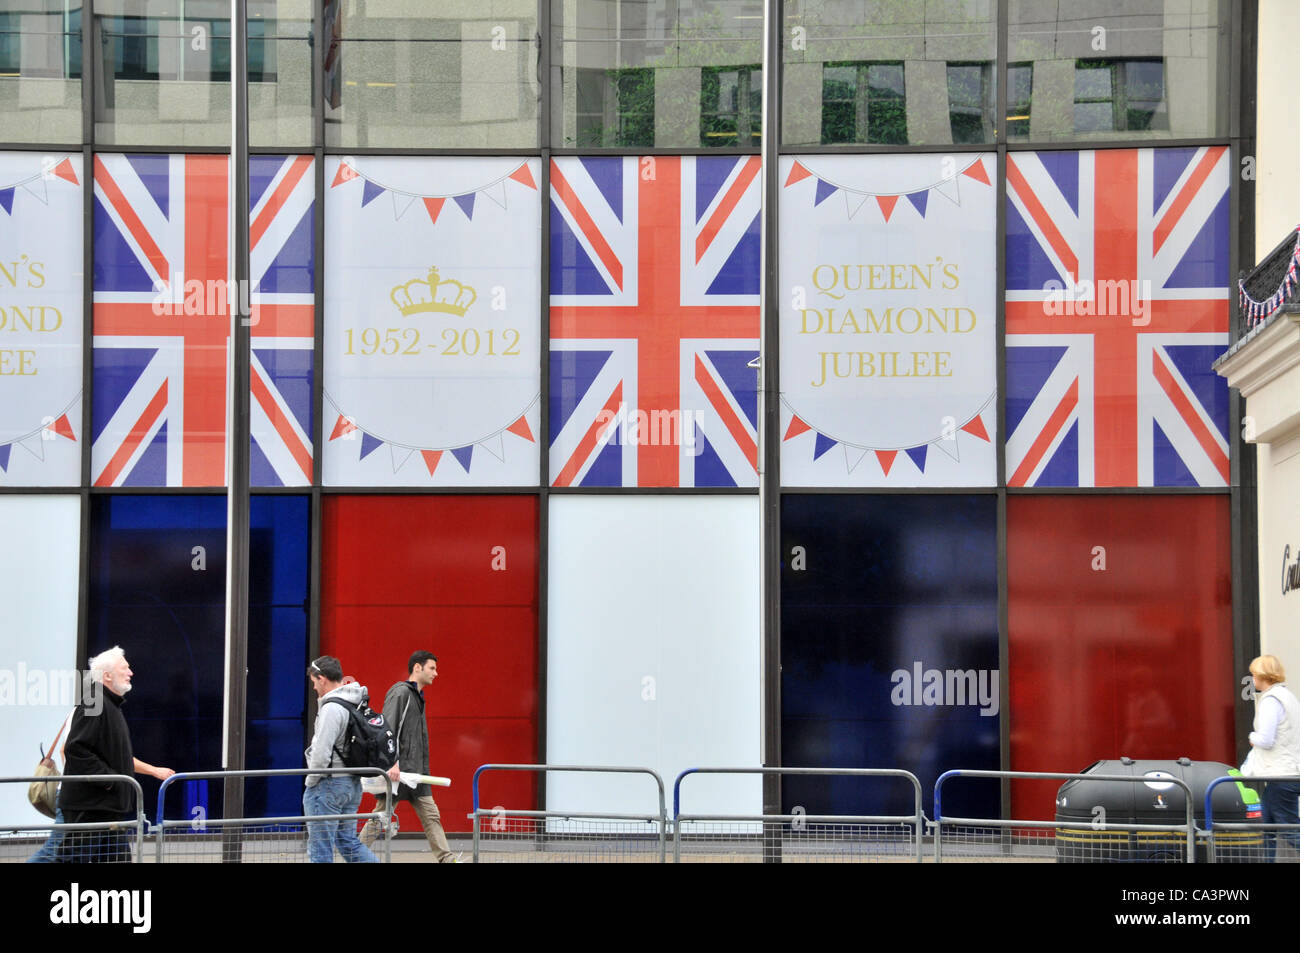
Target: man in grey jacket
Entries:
(334, 793)
(404, 711)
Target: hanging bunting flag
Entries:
(496, 193)
(977, 172)
(853, 456)
(36, 186)
(464, 455)
(949, 446)
(949, 189)
(431, 458)
(342, 426)
(35, 446)
(523, 176)
(886, 458)
(824, 443)
(853, 202)
(4, 456)
(466, 203)
(887, 203)
(7, 200)
(345, 174)
(917, 455)
(369, 444)
(919, 199)
(401, 202)
(65, 171)
(370, 193)
(824, 191)
(495, 447)
(399, 456)
(520, 428)
(976, 427)
(434, 207)
(796, 427)
(63, 427)
(797, 172)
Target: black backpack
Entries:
(367, 740)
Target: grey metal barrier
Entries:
(1231, 842)
(285, 839)
(87, 843)
(798, 837)
(1094, 840)
(515, 835)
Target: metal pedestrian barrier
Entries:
(515, 835)
(798, 837)
(1096, 840)
(1235, 842)
(264, 839)
(101, 842)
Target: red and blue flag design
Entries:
(654, 321)
(161, 324)
(1117, 306)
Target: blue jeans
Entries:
(1280, 807)
(335, 794)
(48, 853)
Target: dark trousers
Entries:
(95, 846)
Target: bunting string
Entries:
(1255, 310)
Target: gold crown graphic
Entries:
(445, 296)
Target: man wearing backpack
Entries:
(335, 793)
(404, 713)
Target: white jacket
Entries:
(331, 721)
(1283, 756)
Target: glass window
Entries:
(40, 71)
(656, 73)
(901, 74)
(408, 74)
(165, 72)
(1154, 70)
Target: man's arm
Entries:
(162, 774)
(330, 722)
(393, 718)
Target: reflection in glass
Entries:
(634, 73)
(407, 73)
(165, 72)
(1150, 67)
(40, 71)
(900, 73)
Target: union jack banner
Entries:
(1117, 306)
(161, 326)
(654, 321)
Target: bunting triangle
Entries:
(976, 427)
(949, 447)
(36, 186)
(35, 446)
(401, 202)
(369, 444)
(887, 203)
(496, 447)
(4, 456)
(917, 455)
(886, 458)
(63, 427)
(434, 207)
(464, 456)
(919, 200)
(949, 189)
(399, 456)
(431, 458)
(466, 203)
(520, 429)
(524, 176)
(824, 443)
(370, 193)
(496, 192)
(65, 171)
(342, 426)
(853, 203)
(824, 191)
(345, 174)
(7, 200)
(977, 172)
(853, 456)
(796, 427)
(797, 173)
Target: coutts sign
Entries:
(1290, 571)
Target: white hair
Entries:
(102, 662)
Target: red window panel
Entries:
(1120, 620)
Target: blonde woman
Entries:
(1275, 747)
